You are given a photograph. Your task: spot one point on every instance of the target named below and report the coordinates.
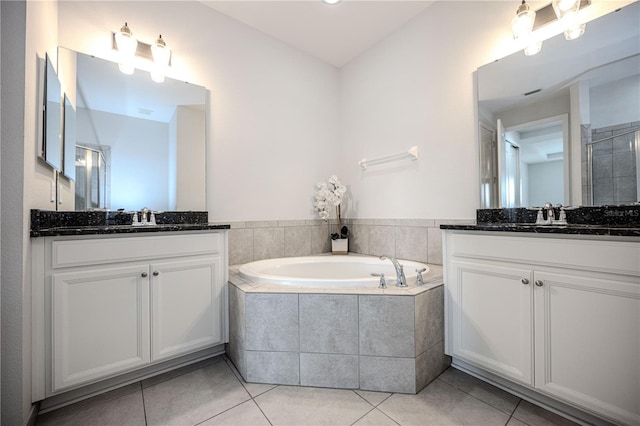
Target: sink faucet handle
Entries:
(383, 282)
(419, 279)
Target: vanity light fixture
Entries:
(526, 23)
(127, 46)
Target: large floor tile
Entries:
(288, 405)
(537, 416)
(194, 397)
(441, 404)
(483, 391)
(375, 417)
(125, 410)
(244, 414)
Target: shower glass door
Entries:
(613, 163)
(91, 179)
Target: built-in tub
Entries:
(322, 321)
(328, 271)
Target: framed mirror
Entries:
(52, 134)
(541, 118)
(138, 143)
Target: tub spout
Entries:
(402, 281)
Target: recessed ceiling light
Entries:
(331, 1)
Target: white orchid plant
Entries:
(329, 195)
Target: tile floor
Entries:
(213, 393)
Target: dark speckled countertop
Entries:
(45, 223)
(623, 221)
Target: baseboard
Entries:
(88, 391)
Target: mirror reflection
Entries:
(138, 143)
(560, 126)
(52, 117)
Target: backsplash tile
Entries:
(411, 239)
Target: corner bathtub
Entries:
(322, 321)
(328, 271)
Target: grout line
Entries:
(144, 406)
(260, 408)
(513, 412)
(364, 415)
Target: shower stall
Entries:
(612, 167)
(91, 178)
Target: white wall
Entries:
(615, 103)
(139, 155)
(546, 183)
(29, 30)
(417, 87)
(273, 120)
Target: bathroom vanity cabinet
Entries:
(110, 304)
(556, 315)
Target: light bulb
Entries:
(161, 55)
(127, 45)
(522, 24)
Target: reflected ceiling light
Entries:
(533, 48)
(127, 46)
(522, 24)
(161, 55)
(574, 31)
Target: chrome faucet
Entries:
(550, 215)
(402, 281)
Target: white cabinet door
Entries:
(100, 323)
(187, 309)
(587, 339)
(492, 308)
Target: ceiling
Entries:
(332, 33)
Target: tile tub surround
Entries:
(411, 239)
(389, 340)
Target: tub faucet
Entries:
(402, 281)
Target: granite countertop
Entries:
(613, 230)
(45, 223)
(618, 220)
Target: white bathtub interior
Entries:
(328, 271)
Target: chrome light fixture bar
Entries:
(130, 48)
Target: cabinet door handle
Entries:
(156, 273)
(524, 281)
(539, 283)
(144, 275)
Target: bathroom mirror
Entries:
(535, 104)
(138, 143)
(52, 134)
